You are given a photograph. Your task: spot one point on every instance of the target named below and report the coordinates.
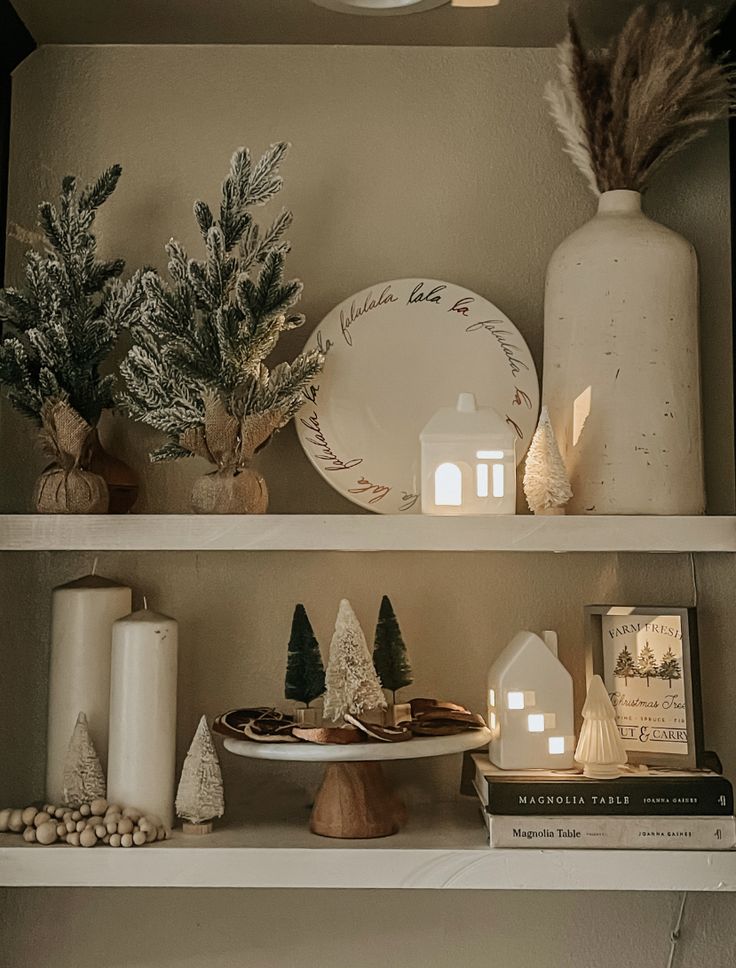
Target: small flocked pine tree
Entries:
(305, 673)
(199, 797)
(65, 322)
(546, 484)
(82, 776)
(646, 664)
(352, 683)
(625, 666)
(669, 667)
(389, 651)
(196, 370)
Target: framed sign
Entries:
(648, 658)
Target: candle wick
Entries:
(94, 566)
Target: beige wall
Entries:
(422, 161)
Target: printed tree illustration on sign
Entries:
(646, 665)
(669, 668)
(305, 674)
(389, 651)
(625, 666)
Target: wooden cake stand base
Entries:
(354, 800)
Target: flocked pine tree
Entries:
(199, 797)
(305, 673)
(646, 663)
(352, 683)
(546, 484)
(60, 328)
(196, 371)
(389, 651)
(669, 667)
(625, 666)
(83, 779)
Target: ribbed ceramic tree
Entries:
(84, 780)
(546, 484)
(600, 751)
(200, 798)
(352, 683)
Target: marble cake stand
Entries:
(354, 799)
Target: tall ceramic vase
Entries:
(621, 363)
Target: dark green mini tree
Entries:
(305, 673)
(389, 651)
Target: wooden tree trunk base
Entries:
(197, 829)
(354, 801)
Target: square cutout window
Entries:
(515, 700)
(556, 745)
(536, 722)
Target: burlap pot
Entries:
(230, 491)
(66, 486)
(229, 444)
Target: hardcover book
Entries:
(655, 793)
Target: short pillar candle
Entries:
(142, 751)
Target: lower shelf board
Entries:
(440, 848)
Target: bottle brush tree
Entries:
(546, 484)
(196, 371)
(305, 673)
(389, 651)
(199, 797)
(82, 775)
(59, 330)
(351, 680)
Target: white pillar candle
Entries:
(82, 615)
(142, 751)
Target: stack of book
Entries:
(651, 810)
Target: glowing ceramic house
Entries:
(468, 461)
(530, 706)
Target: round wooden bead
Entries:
(5, 819)
(59, 812)
(67, 816)
(29, 835)
(139, 837)
(125, 826)
(46, 832)
(41, 817)
(113, 808)
(161, 833)
(80, 826)
(115, 840)
(61, 830)
(132, 814)
(70, 826)
(73, 839)
(28, 814)
(100, 830)
(88, 838)
(111, 827)
(76, 815)
(113, 817)
(15, 821)
(98, 807)
(106, 839)
(127, 840)
(84, 809)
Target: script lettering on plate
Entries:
(323, 345)
(493, 326)
(324, 452)
(311, 393)
(418, 295)
(408, 501)
(369, 303)
(364, 486)
(462, 306)
(521, 398)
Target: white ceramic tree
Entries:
(200, 797)
(83, 779)
(546, 484)
(352, 683)
(600, 751)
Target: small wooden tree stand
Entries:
(354, 800)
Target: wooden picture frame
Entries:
(633, 648)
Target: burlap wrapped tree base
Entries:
(66, 486)
(229, 444)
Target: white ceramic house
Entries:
(530, 706)
(468, 461)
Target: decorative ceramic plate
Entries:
(396, 353)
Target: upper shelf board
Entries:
(362, 532)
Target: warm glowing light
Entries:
(489, 454)
(481, 480)
(492, 720)
(448, 486)
(580, 413)
(491, 697)
(498, 490)
(515, 700)
(536, 722)
(556, 744)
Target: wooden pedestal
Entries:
(354, 801)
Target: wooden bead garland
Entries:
(98, 822)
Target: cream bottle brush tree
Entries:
(83, 780)
(352, 683)
(200, 797)
(196, 371)
(546, 484)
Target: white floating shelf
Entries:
(444, 850)
(363, 532)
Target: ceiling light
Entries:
(379, 7)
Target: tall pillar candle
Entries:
(82, 616)
(142, 752)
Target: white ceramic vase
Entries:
(621, 363)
